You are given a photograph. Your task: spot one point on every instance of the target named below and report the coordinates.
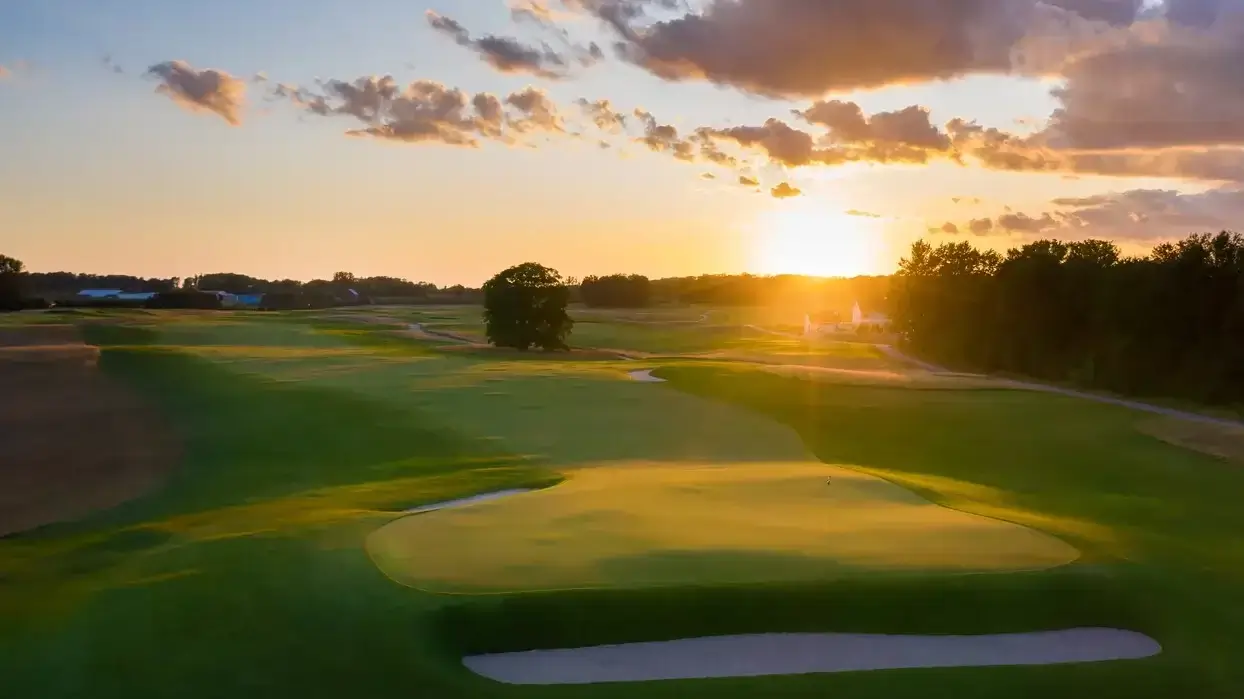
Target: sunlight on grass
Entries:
(644, 524)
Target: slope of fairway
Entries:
(669, 524)
(661, 525)
(247, 574)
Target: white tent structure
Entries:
(859, 319)
(876, 321)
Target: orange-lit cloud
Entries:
(807, 48)
(785, 191)
(206, 90)
(1133, 215)
(426, 111)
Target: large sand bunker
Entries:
(74, 441)
(796, 654)
(644, 525)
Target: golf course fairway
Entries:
(657, 524)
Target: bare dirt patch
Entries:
(72, 441)
(1219, 440)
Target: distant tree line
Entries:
(616, 291)
(62, 287)
(1170, 323)
(821, 296)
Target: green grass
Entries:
(666, 524)
(248, 576)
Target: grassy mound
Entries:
(643, 525)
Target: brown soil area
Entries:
(72, 441)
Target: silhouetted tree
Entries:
(525, 307)
(1170, 323)
(616, 291)
(11, 270)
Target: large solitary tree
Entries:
(525, 307)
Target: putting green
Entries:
(656, 524)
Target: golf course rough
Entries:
(664, 524)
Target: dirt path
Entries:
(796, 654)
(1070, 392)
(895, 354)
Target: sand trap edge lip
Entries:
(644, 376)
(759, 655)
(463, 502)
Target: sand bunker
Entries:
(797, 654)
(644, 376)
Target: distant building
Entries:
(99, 293)
(227, 300)
(869, 322)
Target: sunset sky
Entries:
(442, 141)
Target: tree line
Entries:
(810, 293)
(1170, 323)
(40, 288)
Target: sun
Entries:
(811, 239)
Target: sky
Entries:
(444, 141)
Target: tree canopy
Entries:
(1167, 324)
(525, 307)
(10, 283)
(616, 291)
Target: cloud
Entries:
(537, 111)
(748, 181)
(807, 48)
(1141, 215)
(511, 55)
(204, 90)
(506, 54)
(863, 214)
(1022, 223)
(111, 65)
(603, 115)
(428, 112)
(1170, 86)
(1152, 214)
(847, 124)
(5, 73)
(902, 136)
(785, 191)
(999, 150)
(664, 138)
(980, 226)
(707, 176)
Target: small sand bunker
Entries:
(644, 376)
(797, 654)
(463, 502)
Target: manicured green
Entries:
(248, 575)
(666, 523)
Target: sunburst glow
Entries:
(812, 239)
